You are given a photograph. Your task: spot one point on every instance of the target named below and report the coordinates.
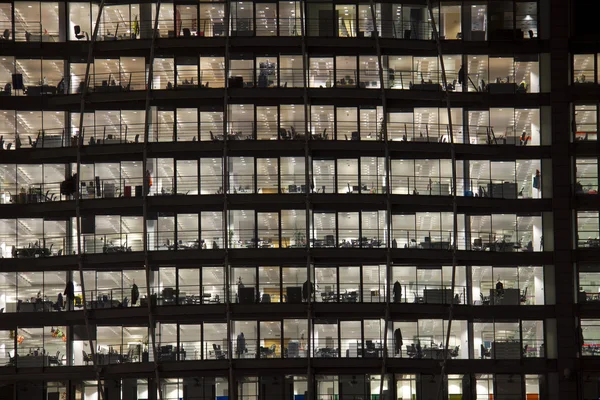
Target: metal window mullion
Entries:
(230, 381)
(307, 192)
(78, 200)
(388, 198)
(146, 189)
(454, 191)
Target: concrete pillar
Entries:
(567, 341)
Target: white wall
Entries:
(534, 82)
(535, 133)
(91, 393)
(464, 343)
(538, 288)
(79, 346)
(537, 233)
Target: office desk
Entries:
(40, 90)
(115, 249)
(356, 349)
(108, 89)
(114, 141)
(501, 246)
(440, 189)
(349, 297)
(106, 359)
(443, 245)
(511, 297)
(31, 361)
(95, 304)
(502, 88)
(434, 353)
(326, 352)
(438, 296)
(171, 355)
(49, 141)
(506, 190)
(33, 37)
(32, 252)
(512, 140)
(187, 86)
(40, 306)
(430, 87)
(506, 350)
(423, 139)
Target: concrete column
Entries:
(567, 340)
(387, 22)
(146, 19)
(63, 22)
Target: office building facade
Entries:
(265, 200)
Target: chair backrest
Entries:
(77, 29)
(6, 34)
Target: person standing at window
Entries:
(537, 184)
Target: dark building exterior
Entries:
(256, 201)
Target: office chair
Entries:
(79, 34)
(485, 300)
(530, 34)
(187, 33)
(6, 34)
(265, 298)
(523, 297)
(485, 352)
(454, 353)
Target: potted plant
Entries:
(299, 238)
